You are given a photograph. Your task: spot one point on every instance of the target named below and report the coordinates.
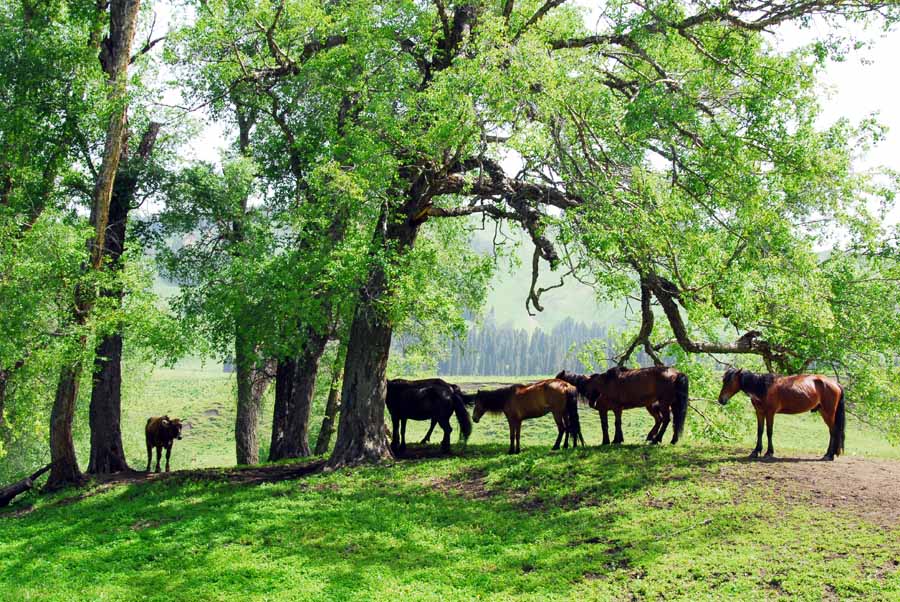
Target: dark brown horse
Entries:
(662, 390)
(772, 394)
(429, 399)
(520, 402)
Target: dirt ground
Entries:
(866, 487)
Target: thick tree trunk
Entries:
(246, 426)
(284, 382)
(303, 393)
(107, 452)
(65, 469)
(361, 433)
(332, 406)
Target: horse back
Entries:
(537, 399)
(636, 388)
(802, 393)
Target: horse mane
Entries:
(756, 384)
(493, 401)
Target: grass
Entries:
(613, 523)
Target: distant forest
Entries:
(496, 350)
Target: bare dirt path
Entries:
(867, 487)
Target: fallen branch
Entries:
(7, 494)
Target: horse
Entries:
(662, 390)
(771, 394)
(521, 402)
(430, 399)
(436, 381)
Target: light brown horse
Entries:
(520, 402)
(662, 390)
(772, 394)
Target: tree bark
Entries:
(284, 382)
(361, 433)
(246, 426)
(332, 406)
(65, 469)
(107, 451)
(303, 393)
(115, 56)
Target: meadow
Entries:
(631, 522)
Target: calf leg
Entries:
(168, 455)
(158, 456)
(149, 454)
(512, 436)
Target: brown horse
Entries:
(772, 394)
(520, 402)
(662, 390)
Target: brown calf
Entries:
(161, 432)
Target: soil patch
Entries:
(869, 488)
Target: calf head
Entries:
(172, 427)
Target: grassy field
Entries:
(630, 522)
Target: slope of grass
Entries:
(633, 522)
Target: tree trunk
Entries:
(303, 393)
(246, 426)
(7, 494)
(65, 469)
(115, 56)
(284, 382)
(107, 451)
(361, 433)
(332, 406)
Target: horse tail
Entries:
(679, 408)
(462, 416)
(840, 425)
(572, 411)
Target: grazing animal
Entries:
(160, 433)
(771, 394)
(662, 390)
(429, 399)
(520, 402)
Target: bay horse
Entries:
(429, 399)
(521, 402)
(771, 394)
(662, 390)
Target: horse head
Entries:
(731, 384)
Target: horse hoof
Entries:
(753, 455)
(828, 458)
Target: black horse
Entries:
(429, 399)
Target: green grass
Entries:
(613, 523)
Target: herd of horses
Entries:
(662, 390)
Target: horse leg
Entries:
(759, 432)
(604, 421)
(445, 442)
(654, 411)
(560, 428)
(512, 436)
(619, 438)
(519, 437)
(828, 417)
(395, 434)
(666, 417)
(403, 435)
(770, 421)
(427, 437)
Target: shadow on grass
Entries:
(365, 533)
